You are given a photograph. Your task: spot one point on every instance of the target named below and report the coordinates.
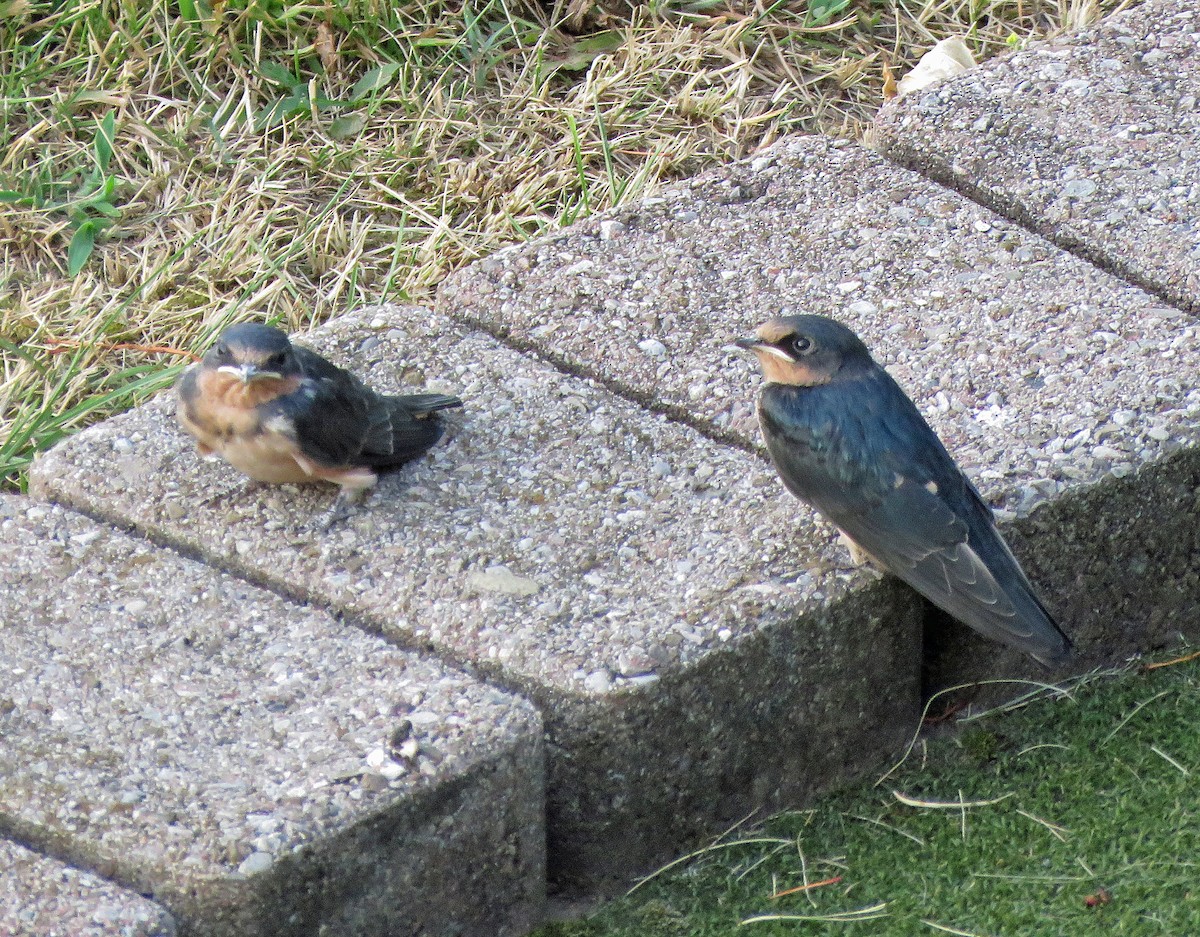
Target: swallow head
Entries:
(807, 351)
(252, 354)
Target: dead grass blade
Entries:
(869, 913)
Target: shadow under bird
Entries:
(845, 438)
(281, 413)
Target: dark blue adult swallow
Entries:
(846, 439)
(281, 413)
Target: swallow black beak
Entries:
(247, 373)
(749, 344)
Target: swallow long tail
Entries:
(421, 405)
(862, 454)
(412, 427)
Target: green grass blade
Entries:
(80, 249)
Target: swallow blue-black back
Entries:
(859, 451)
(340, 421)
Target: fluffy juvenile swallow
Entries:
(846, 439)
(281, 413)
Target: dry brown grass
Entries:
(499, 122)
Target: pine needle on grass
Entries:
(870, 913)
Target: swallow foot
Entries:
(344, 507)
(339, 512)
(859, 558)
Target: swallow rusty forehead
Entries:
(250, 341)
(775, 331)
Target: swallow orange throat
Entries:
(779, 371)
(230, 391)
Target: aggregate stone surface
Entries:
(42, 897)
(654, 591)
(254, 765)
(1042, 373)
(1092, 138)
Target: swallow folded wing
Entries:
(913, 532)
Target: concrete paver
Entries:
(681, 621)
(1091, 138)
(1043, 374)
(41, 897)
(654, 592)
(255, 766)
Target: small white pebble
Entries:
(580, 266)
(598, 681)
(1079, 188)
(376, 757)
(255, 862)
(611, 230)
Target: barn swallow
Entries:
(846, 439)
(281, 413)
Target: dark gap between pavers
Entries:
(1043, 374)
(1092, 139)
(694, 648)
(39, 895)
(252, 765)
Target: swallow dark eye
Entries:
(222, 350)
(801, 345)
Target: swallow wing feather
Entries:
(332, 419)
(917, 536)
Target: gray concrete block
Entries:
(42, 897)
(253, 765)
(1043, 374)
(1092, 139)
(654, 592)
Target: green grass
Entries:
(1085, 822)
(168, 168)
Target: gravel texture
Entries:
(253, 765)
(1092, 139)
(694, 648)
(1043, 374)
(41, 897)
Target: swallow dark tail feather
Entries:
(282, 413)
(845, 438)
